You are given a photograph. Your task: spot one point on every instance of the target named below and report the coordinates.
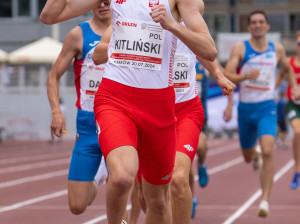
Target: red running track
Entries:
(33, 181)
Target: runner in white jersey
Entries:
(256, 61)
(190, 116)
(135, 115)
(79, 45)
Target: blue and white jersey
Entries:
(262, 88)
(87, 75)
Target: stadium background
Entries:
(25, 111)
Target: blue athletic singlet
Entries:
(86, 152)
(202, 85)
(257, 115)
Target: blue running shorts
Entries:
(86, 155)
(256, 120)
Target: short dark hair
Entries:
(258, 11)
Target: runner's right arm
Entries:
(195, 34)
(70, 49)
(56, 11)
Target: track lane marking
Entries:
(103, 217)
(33, 200)
(211, 171)
(33, 178)
(35, 165)
(257, 194)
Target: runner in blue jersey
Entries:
(79, 45)
(256, 61)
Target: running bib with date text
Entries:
(181, 69)
(138, 44)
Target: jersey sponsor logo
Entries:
(94, 44)
(120, 1)
(77, 136)
(189, 148)
(252, 55)
(153, 3)
(126, 24)
(167, 177)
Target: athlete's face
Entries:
(102, 11)
(258, 25)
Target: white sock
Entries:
(102, 173)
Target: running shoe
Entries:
(295, 183)
(123, 222)
(203, 175)
(258, 162)
(195, 203)
(263, 210)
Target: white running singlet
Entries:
(141, 52)
(184, 73)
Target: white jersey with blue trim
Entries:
(141, 52)
(262, 88)
(184, 73)
(87, 75)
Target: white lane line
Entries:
(223, 166)
(223, 149)
(33, 200)
(211, 171)
(103, 217)
(257, 194)
(35, 165)
(33, 158)
(33, 178)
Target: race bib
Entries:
(263, 81)
(94, 76)
(138, 44)
(181, 69)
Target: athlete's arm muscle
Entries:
(69, 50)
(195, 35)
(216, 70)
(287, 69)
(56, 11)
(100, 53)
(236, 57)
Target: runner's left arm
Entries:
(215, 69)
(287, 69)
(100, 53)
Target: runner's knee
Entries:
(122, 180)
(77, 207)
